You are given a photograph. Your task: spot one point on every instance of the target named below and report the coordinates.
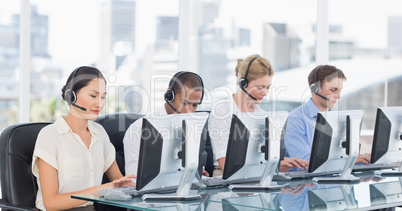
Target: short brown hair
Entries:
(324, 72)
(259, 67)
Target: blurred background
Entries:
(137, 45)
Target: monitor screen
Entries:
(387, 139)
(248, 149)
(335, 132)
(160, 165)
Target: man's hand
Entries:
(288, 163)
(365, 158)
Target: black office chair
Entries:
(18, 184)
(116, 125)
(209, 164)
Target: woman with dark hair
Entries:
(72, 154)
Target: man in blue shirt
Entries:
(326, 83)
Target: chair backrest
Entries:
(209, 160)
(116, 125)
(17, 143)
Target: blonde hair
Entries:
(258, 68)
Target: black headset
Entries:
(69, 94)
(170, 95)
(315, 86)
(243, 82)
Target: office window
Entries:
(136, 44)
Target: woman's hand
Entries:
(124, 181)
(288, 163)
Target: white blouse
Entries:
(78, 167)
(219, 125)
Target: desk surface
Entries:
(370, 193)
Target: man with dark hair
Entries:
(184, 94)
(326, 83)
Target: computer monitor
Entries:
(340, 197)
(335, 145)
(386, 192)
(253, 149)
(387, 139)
(168, 157)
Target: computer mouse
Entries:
(281, 177)
(116, 196)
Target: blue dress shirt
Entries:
(300, 131)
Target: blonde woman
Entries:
(254, 75)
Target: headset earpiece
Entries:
(70, 96)
(243, 83)
(169, 95)
(314, 88)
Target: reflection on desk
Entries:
(138, 204)
(371, 193)
(334, 198)
(386, 192)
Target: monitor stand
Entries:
(183, 190)
(265, 182)
(345, 177)
(397, 173)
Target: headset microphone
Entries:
(244, 90)
(82, 108)
(171, 106)
(322, 96)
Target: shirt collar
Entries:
(92, 129)
(311, 109)
(63, 127)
